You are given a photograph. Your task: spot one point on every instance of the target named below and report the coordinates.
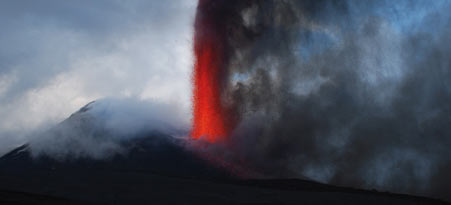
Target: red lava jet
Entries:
(209, 115)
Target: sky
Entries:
(352, 92)
(58, 56)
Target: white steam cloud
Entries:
(58, 56)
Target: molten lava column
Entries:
(209, 121)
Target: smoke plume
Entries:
(353, 93)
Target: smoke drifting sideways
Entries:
(58, 56)
(353, 93)
(102, 129)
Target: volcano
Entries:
(153, 167)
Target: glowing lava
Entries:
(209, 121)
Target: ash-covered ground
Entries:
(149, 166)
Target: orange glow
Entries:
(208, 112)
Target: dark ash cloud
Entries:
(345, 92)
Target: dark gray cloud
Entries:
(353, 93)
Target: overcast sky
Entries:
(368, 81)
(56, 56)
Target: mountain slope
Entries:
(148, 166)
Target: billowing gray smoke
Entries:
(354, 93)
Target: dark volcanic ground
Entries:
(144, 176)
(155, 169)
